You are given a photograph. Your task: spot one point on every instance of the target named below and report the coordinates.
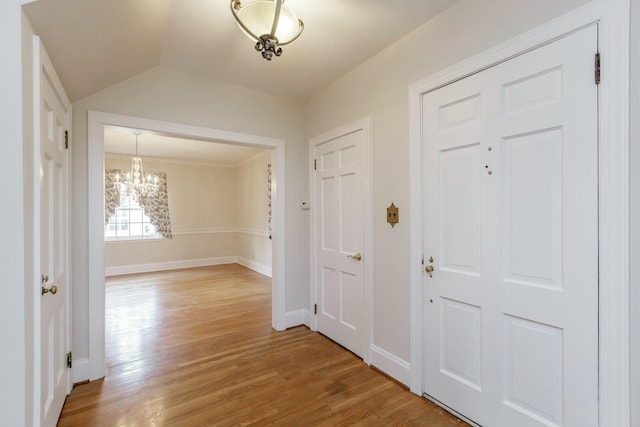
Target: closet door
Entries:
(510, 196)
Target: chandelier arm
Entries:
(235, 15)
(276, 18)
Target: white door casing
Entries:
(94, 366)
(340, 259)
(53, 379)
(511, 223)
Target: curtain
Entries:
(155, 207)
(269, 197)
(111, 196)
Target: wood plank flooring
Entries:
(195, 348)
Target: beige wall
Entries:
(253, 243)
(174, 96)
(218, 215)
(378, 88)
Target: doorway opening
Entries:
(97, 123)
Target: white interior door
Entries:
(339, 239)
(52, 123)
(510, 222)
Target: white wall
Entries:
(379, 88)
(173, 96)
(30, 279)
(634, 214)
(218, 215)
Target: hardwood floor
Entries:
(195, 348)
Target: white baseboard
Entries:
(308, 318)
(391, 365)
(169, 265)
(260, 268)
(296, 318)
(80, 370)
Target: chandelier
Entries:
(135, 184)
(269, 23)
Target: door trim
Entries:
(612, 19)
(97, 120)
(355, 126)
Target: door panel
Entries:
(54, 305)
(511, 234)
(532, 369)
(461, 342)
(340, 236)
(460, 206)
(533, 208)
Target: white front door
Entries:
(510, 239)
(339, 238)
(52, 124)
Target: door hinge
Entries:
(315, 164)
(597, 68)
(66, 139)
(315, 308)
(69, 360)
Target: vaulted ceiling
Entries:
(97, 43)
(94, 44)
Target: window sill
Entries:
(131, 239)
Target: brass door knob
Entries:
(52, 290)
(429, 269)
(357, 257)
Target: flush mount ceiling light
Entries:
(269, 23)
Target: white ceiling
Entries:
(122, 141)
(97, 43)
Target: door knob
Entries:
(52, 290)
(357, 257)
(429, 270)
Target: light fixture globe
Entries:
(269, 23)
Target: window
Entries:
(129, 222)
(129, 218)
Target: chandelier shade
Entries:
(269, 23)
